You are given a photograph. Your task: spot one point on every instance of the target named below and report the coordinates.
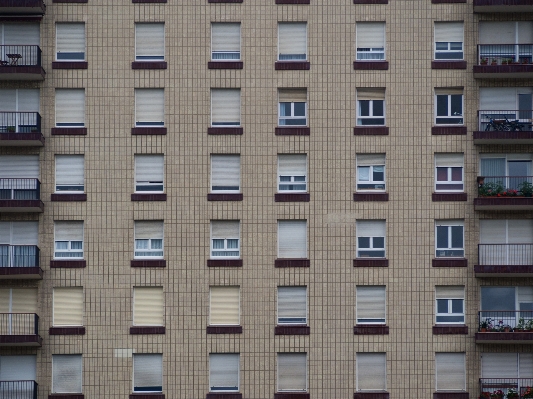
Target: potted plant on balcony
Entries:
(506, 328)
(484, 61)
(497, 394)
(484, 395)
(491, 189)
(483, 326)
(11, 129)
(512, 394)
(526, 189)
(528, 393)
(494, 62)
(521, 325)
(529, 326)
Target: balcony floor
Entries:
(513, 71)
(21, 72)
(496, 137)
(21, 273)
(509, 338)
(21, 340)
(503, 204)
(22, 7)
(503, 271)
(21, 140)
(21, 206)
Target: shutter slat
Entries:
(150, 41)
(148, 305)
(292, 302)
(370, 34)
(225, 172)
(19, 166)
(225, 229)
(147, 370)
(292, 95)
(226, 37)
(491, 32)
(22, 34)
(292, 239)
(150, 106)
(18, 368)
(497, 99)
(224, 370)
(370, 159)
(371, 371)
(70, 38)
(24, 300)
(149, 229)
(292, 165)
(149, 168)
(224, 305)
(450, 371)
(449, 159)
(499, 365)
(25, 233)
(371, 302)
(449, 32)
(68, 306)
(370, 228)
(28, 101)
(449, 292)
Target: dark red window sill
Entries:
(371, 131)
(370, 329)
(292, 330)
(225, 197)
(371, 1)
(69, 1)
(221, 395)
(148, 1)
(148, 263)
(224, 330)
(450, 330)
(224, 1)
(293, 2)
(451, 395)
(448, 130)
(66, 395)
(371, 395)
(70, 65)
(68, 264)
(448, 64)
(147, 395)
(447, 1)
(449, 262)
(149, 65)
(292, 197)
(67, 331)
(443, 197)
(69, 131)
(292, 395)
(292, 263)
(370, 65)
(149, 131)
(135, 330)
(371, 196)
(148, 197)
(225, 65)
(292, 131)
(370, 262)
(221, 131)
(224, 263)
(292, 65)
(68, 197)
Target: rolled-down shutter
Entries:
(70, 41)
(292, 165)
(149, 229)
(292, 39)
(22, 34)
(66, 373)
(450, 371)
(370, 34)
(149, 168)
(371, 371)
(68, 306)
(224, 305)
(70, 107)
(499, 365)
(225, 172)
(292, 305)
(150, 41)
(370, 159)
(68, 230)
(28, 101)
(292, 95)
(449, 31)
(371, 303)
(496, 99)
(147, 372)
(226, 37)
(292, 371)
(224, 371)
(19, 166)
(370, 228)
(491, 32)
(449, 159)
(69, 170)
(24, 300)
(292, 239)
(225, 107)
(18, 368)
(225, 229)
(150, 106)
(450, 292)
(148, 305)
(24, 233)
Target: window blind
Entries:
(70, 41)
(449, 292)
(18, 368)
(149, 229)
(19, 166)
(525, 32)
(225, 229)
(149, 168)
(292, 165)
(450, 371)
(292, 371)
(292, 305)
(370, 159)
(147, 372)
(292, 95)
(150, 107)
(520, 231)
(371, 303)
(497, 98)
(68, 306)
(499, 365)
(69, 170)
(292, 239)
(371, 371)
(150, 41)
(525, 365)
(28, 100)
(449, 159)
(224, 371)
(19, 233)
(225, 172)
(226, 37)
(21, 34)
(492, 231)
(66, 373)
(148, 305)
(491, 32)
(68, 230)
(70, 107)
(292, 40)
(23, 300)
(370, 34)
(224, 305)
(225, 107)
(370, 228)
(448, 90)
(449, 32)
(524, 294)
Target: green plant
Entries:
(528, 393)
(521, 324)
(491, 189)
(11, 129)
(512, 393)
(484, 324)
(526, 189)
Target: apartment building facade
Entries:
(294, 199)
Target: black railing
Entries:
(491, 386)
(505, 120)
(20, 122)
(19, 255)
(20, 189)
(18, 389)
(505, 320)
(504, 54)
(19, 324)
(505, 186)
(505, 254)
(20, 55)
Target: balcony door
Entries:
(18, 244)
(18, 307)
(17, 376)
(506, 242)
(508, 170)
(506, 370)
(506, 305)
(504, 40)
(22, 39)
(18, 110)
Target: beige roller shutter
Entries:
(371, 304)
(68, 306)
(370, 34)
(370, 159)
(150, 106)
(450, 371)
(292, 239)
(70, 107)
(371, 370)
(292, 39)
(225, 107)
(224, 305)
(148, 306)
(292, 371)
(292, 95)
(68, 230)
(449, 31)
(150, 41)
(149, 229)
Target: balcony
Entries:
(20, 129)
(20, 195)
(504, 193)
(505, 327)
(18, 389)
(503, 6)
(21, 63)
(504, 61)
(22, 7)
(504, 260)
(19, 329)
(20, 262)
(504, 127)
(489, 385)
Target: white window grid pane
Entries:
(449, 316)
(290, 114)
(373, 117)
(445, 114)
(68, 249)
(149, 248)
(225, 248)
(447, 236)
(367, 178)
(448, 183)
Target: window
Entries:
(224, 306)
(69, 173)
(68, 239)
(147, 372)
(449, 40)
(225, 173)
(225, 107)
(68, 306)
(66, 373)
(500, 370)
(371, 371)
(370, 41)
(449, 172)
(149, 239)
(450, 371)
(149, 107)
(370, 107)
(504, 40)
(292, 372)
(70, 107)
(292, 173)
(450, 304)
(370, 304)
(292, 107)
(224, 372)
(149, 173)
(292, 239)
(149, 41)
(292, 305)
(507, 170)
(18, 244)
(505, 241)
(17, 300)
(513, 103)
(498, 303)
(70, 41)
(18, 368)
(292, 41)
(448, 106)
(148, 305)
(370, 172)
(370, 238)
(225, 238)
(450, 239)
(20, 109)
(225, 41)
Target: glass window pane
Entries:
(442, 105)
(364, 173)
(497, 298)
(299, 109)
(61, 244)
(76, 244)
(379, 242)
(233, 243)
(364, 108)
(378, 172)
(457, 104)
(378, 107)
(457, 306)
(157, 244)
(457, 174)
(442, 174)
(218, 243)
(441, 45)
(442, 236)
(457, 236)
(141, 244)
(456, 46)
(284, 109)
(363, 242)
(442, 306)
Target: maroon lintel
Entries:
(148, 197)
(224, 330)
(148, 263)
(68, 264)
(21, 340)
(149, 65)
(292, 65)
(450, 330)
(148, 131)
(292, 131)
(148, 1)
(222, 131)
(293, 2)
(443, 262)
(371, 131)
(443, 197)
(448, 64)
(503, 269)
(370, 262)
(35, 271)
(224, 263)
(370, 329)
(370, 65)
(66, 331)
(448, 130)
(224, 1)
(504, 69)
(70, 65)
(447, 1)
(292, 330)
(30, 205)
(292, 262)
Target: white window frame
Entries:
(453, 38)
(448, 364)
(366, 364)
(225, 249)
(453, 293)
(230, 360)
(454, 120)
(153, 98)
(226, 171)
(375, 50)
(157, 43)
(74, 167)
(71, 56)
(295, 39)
(449, 224)
(292, 361)
(361, 226)
(291, 97)
(157, 359)
(371, 296)
(291, 117)
(153, 183)
(294, 178)
(292, 305)
(74, 99)
(372, 162)
(361, 118)
(224, 38)
(151, 248)
(74, 370)
(69, 248)
(449, 165)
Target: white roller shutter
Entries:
(149, 168)
(224, 305)
(497, 98)
(68, 230)
(292, 239)
(371, 371)
(292, 305)
(69, 170)
(450, 371)
(22, 34)
(370, 159)
(8, 100)
(449, 292)
(449, 32)
(491, 32)
(370, 34)
(150, 41)
(525, 32)
(525, 365)
(225, 107)
(150, 106)
(28, 100)
(149, 229)
(148, 305)
(370, 228)
(70, 40)
(225, 229)
(68, 306)
(224, 371)
(226, 37)
(292, 371)
(292, 95)
(18, 368)
(449, 159)
(5, 232)
(292, 165)
(24, 300)
(19, 166)
(499, 365)
(70, 107)
(25, 233)
(292, 39)
(371, 304)
(66, 373)
(147, 371)
(520, 231)
(225, 172)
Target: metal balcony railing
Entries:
(504, 54)
(19, 255)
(504, 186)
(20, 55)
(505, 254)
(503, 320)
(505, 120)
(488, 386)
(19, 324)
(18, 390)
(20, 122)
(20, 189)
